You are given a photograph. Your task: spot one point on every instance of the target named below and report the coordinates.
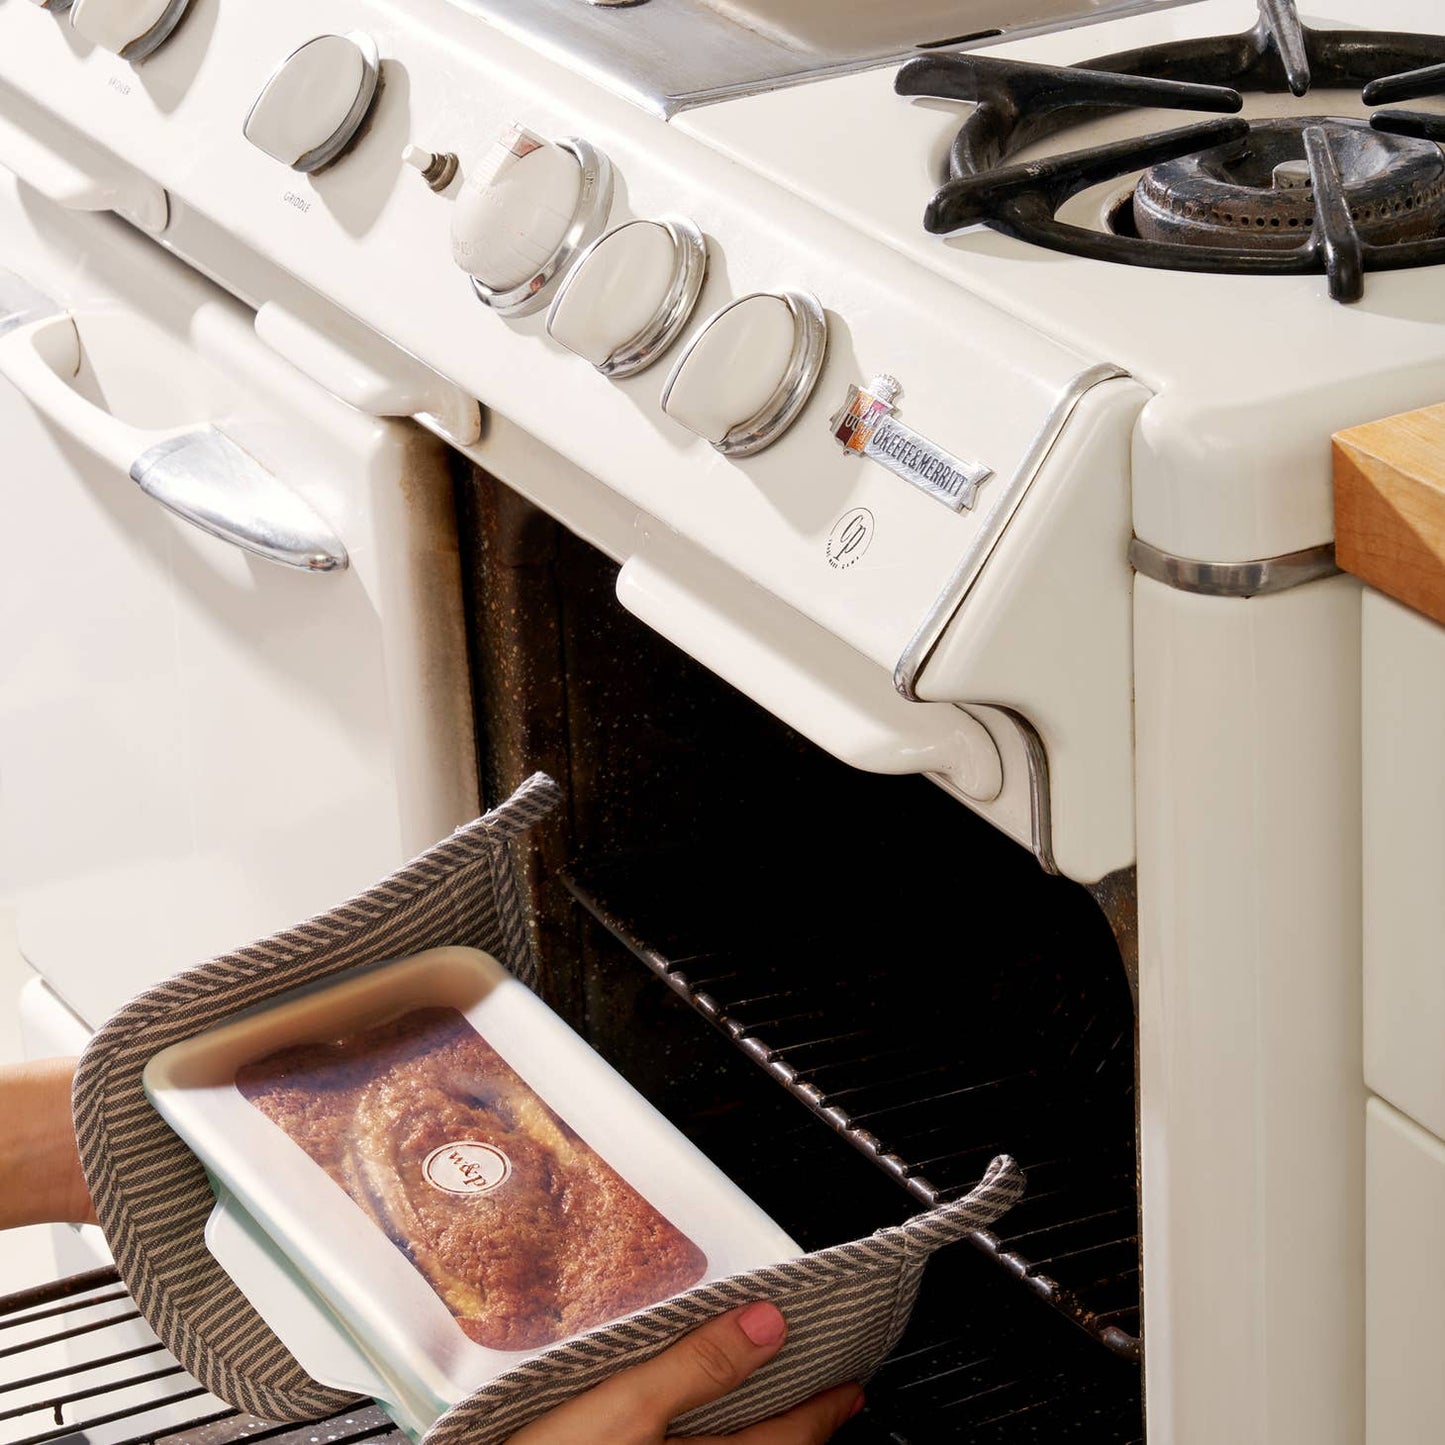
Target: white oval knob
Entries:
(746, 375)
(311, 108)
(630, 294)
(524, 214)
(129, 28)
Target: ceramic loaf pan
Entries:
(456, 1105)
(846, 1306)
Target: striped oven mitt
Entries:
(150, 1192)
(846, 1306)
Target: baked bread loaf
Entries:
(526, 1234)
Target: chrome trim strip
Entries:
(1041, 814)
(1234, 579)
(594, 201)
(677, 306)
(672, 56)
(157, 35)
(925, 639)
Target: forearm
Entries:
(40, 1177)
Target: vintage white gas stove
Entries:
(956, 380)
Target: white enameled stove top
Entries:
(1258, 368)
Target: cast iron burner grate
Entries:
(931, 1036)
(1346, 229)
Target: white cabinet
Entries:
(1403, 680)
(1404, 859)
(1405, 1281)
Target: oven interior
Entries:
(848, 990)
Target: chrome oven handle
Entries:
(198, 473)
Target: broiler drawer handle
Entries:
(196, 472)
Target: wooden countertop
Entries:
(1390, 506)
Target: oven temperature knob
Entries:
(746, 375)
(130, 28)
(630, 294)
(525, 214)
(312, 107)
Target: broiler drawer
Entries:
(1404, 858)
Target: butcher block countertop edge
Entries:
(1390, 506)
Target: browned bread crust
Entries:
(562, 1245)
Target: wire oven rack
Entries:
(993, 1381)
(79, 1367)
(930, 1041)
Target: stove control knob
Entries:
(130, 28)
(745, 376)
(312, 107)
(525, 214)
(630, 294)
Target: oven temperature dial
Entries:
(524, 215)
(129, 28)
(745, 376)
(630, 294)
(312, 107)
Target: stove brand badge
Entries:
(865, 426)
(466, 1167)
(849, 539)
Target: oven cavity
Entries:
(869, 988)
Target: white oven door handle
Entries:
(808, 678)
(368, 372)
(196, 472)
(105, 185)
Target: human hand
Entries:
(634, 1406)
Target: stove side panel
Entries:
(1251, 1084)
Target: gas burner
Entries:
(1261, 196)
(1269, 197)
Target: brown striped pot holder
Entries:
(846, 1306)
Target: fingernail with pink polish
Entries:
(762, 1323)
